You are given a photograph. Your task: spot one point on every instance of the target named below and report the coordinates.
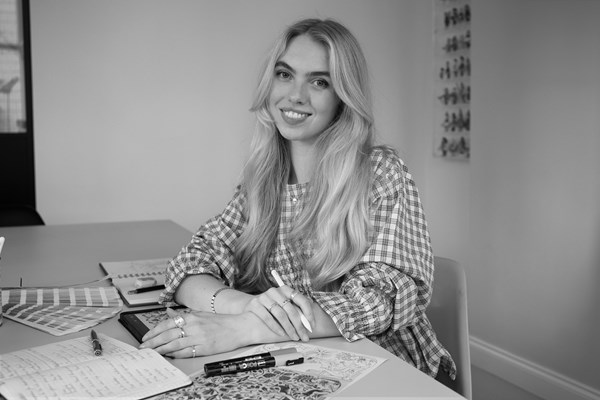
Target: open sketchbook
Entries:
(124, 275)
(69, 369)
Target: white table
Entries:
(69, 254)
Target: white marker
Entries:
(302, 317)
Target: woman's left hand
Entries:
(195, 334)
(281, 310)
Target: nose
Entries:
(298, 93)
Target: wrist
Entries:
(255, 331)
(230, 302)
(248, 329)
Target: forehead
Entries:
(304, 53)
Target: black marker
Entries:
(275, 358)
(146, 289)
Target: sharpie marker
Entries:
(275, 358)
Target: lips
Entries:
(294, 117)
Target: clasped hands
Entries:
(271, 316)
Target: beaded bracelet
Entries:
(212, 300)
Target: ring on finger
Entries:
(182, 333)
(285, 302)
(273, 305)
(294, 293)
(179, 321)
(193, 351)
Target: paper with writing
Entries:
(70, 369)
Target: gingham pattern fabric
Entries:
(383, 297)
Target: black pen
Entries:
(146, 289)
(96, 344)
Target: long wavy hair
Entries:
(334, 224)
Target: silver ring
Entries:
(182, 333)
(193, 351)
(285, 302)
(179, 321)
(294, 293)
(273, 305)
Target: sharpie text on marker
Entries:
(283, 357)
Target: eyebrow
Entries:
(310, 74)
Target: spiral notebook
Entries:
(125, 274)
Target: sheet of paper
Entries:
(69, 369)
(324, 372)
(345, 366)
(268, 383)
(41, 358)
(60, 311)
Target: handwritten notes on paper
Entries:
(70, 369)
(60, 311)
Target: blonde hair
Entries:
(334, 222)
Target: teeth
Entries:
(294, 115)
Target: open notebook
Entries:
(124, 275)
(69, 369)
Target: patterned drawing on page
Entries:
(269, 383)
(327, 362)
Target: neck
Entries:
(302, 162)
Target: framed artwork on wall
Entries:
(452, 111)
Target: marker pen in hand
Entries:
(302, 317)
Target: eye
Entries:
(283, 74)
(321, 83)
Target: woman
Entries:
(338, 218)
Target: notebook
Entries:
(70, 369)
(125, 274)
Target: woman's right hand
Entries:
(279, 308)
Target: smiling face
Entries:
(302, 101)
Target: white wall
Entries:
(534, 258)
(141, 112)
(141, 107)
(524, 214)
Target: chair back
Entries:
(448, 315)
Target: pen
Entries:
(96, 344)
(275, 358)
(302, 317)
(146, 289)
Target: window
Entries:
(12, 68)
(17, 180)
